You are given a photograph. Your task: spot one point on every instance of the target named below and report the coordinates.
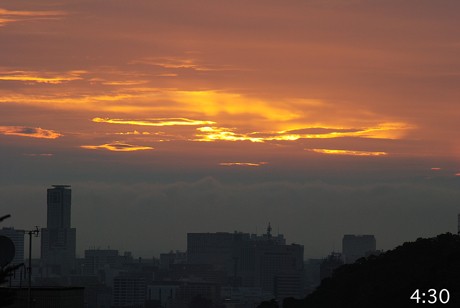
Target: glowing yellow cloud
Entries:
(435, 168)
(382, 131)
(263, 120)
(154, 122)
(4, 12)
(217, 133)
(221, 133)
(168, 62)
(132, 133)
(47, 77)
(35, 132)
(176, 62)
(243, 164)
(117, 146)
(214, 103)
(124, 82)
(344, 152)
(7, 16)
(75, 101)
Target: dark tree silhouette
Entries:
(390, 279)
(200, 302)
(269, 304)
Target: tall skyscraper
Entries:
(58, 238)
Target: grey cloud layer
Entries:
(150, 218)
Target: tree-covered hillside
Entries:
(390, 279)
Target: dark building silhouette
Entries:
(58, 239)
(250, 260)
(356, 246)
(50, 297)
(329, 264)
(185, 294)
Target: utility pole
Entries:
(30, 232)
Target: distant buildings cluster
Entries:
(234, 270)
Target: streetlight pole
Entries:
(30, 232)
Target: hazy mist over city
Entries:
(323, 118)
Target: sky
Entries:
(323, 118)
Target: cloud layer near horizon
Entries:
(149, 219)
(235, 109)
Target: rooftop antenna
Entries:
(269, 229)
(30, 232)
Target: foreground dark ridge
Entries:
(390, 279)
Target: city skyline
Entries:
(324, 118)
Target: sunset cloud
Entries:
(46, 77)
(176, 63)
(125, 82)
(154, 122)
(243, 164)
(8, 16)
(220, 133)
(117, 146)
(345, 152)
(329, 91)
(383, 131)
(35, 132)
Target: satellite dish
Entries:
(7, 251)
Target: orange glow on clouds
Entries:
(7, 16)
(154, 122)
(167, 62)
(344, 152)
(125, 82)
(277, 78)
(133, 133)
(384, 131)
(243, 164)
(213, 103)
(176, 63)
(48, 77)
(29, 132)
(117, 146)
(217, 133)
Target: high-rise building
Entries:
(17, 236)
(99, 259)
(129, 290)
(211, 248)
(277, 260)
(250, 260)
(184, 294)
(58, 238)
(356, 246)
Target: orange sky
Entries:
(286, 86)
(261, 72)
